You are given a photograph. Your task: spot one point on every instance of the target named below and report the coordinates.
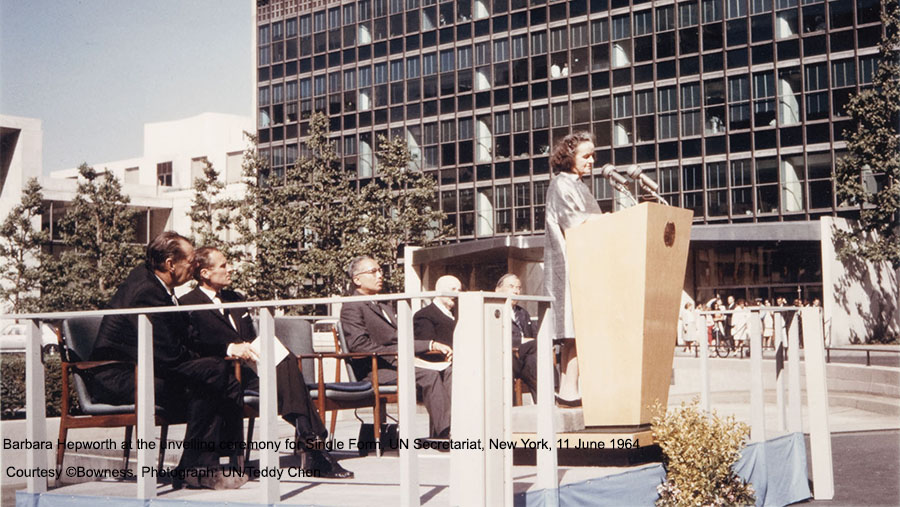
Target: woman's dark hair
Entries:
(202, 260)
(563, 157)
(167, 244)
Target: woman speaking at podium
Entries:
(569, 203)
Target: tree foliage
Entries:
(330, 214)
(210, 211)
(401, 209)
(299, 230)
(874, 154)
(20, 251)
(98, 231)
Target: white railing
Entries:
(483, 319)
(788, 415)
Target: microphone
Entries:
(609, 172)
(634, 172)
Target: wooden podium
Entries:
(626, 272)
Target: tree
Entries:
(300, 230)
(329, 210)
(20, 251)
(874, 155)
(100, 249)
(269, 229)
(401, 208)
(209, 210)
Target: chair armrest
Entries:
(346, 355)
(87, 365)
(237, 366)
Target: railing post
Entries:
(817, 400)
(412, 281)
(406, 385)
(547, 473)
(35, 407)
(704, 360)
(482, 398)
(795, 412)
(146, 408)
(780, 408)
(757, 402)
(268, 406)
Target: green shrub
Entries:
(700, 449)
(12, 385)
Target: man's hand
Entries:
(443, 349)
(243, 351)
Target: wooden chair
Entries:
(295, 334)
(79, 335)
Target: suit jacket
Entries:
(211, 331)
(522, 326)
(430, 323)
(117, 338)
(371, 326)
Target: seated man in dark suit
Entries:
(525, 360)
(372, 327)
(203, 389)
(229, 333)
(436, 322)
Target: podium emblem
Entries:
(669, 234)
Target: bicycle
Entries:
(724, 346)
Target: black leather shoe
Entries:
(329, 467)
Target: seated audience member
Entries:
(525, 358)
(436, 322)
(229, 333)
(371, 327)
(203, 389)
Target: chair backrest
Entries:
(295, 334)
(79, 337)
(342, 342)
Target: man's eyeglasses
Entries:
(369, 272)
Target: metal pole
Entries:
(146, 408)
(817, 399)
(547, 474)
(468, 468)
(781, 414)
(268, 406)
(35, 408)
(795, 419)
(704, 361)
(757, 402)
(406, 384)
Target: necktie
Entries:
(228, 316)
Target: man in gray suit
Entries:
(372, 327)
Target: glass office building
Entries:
(734, 106)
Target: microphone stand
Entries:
(657, 196)
(623, 190)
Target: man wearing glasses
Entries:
(371, 327)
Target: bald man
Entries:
(436, 322)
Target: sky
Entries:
(94, 71)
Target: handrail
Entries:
(789, 412)
(145, 400)
(260, 304)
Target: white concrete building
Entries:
(21, 142)
(160, 181)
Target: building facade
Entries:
(160, 181)
(735, 107)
